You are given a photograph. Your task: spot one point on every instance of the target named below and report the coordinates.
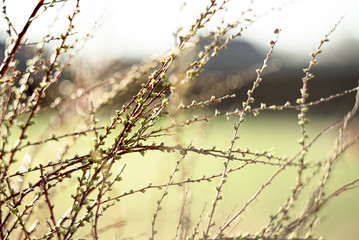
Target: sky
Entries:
(144, 28)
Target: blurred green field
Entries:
(278, 132)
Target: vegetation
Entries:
(63, 160)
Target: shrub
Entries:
(63, 160)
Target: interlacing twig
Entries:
(246, 106)
(61, 153)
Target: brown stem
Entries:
(20, 37)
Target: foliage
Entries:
(149, 121)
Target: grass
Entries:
(268, 131)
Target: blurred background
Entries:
(127, 32)
(125, 28)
